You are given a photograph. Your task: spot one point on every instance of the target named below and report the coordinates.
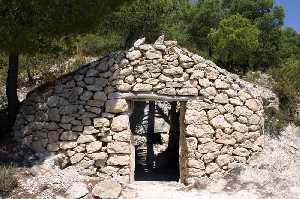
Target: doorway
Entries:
(155, 126)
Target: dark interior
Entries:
(152, 164)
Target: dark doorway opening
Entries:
(156, 129)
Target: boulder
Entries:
(77, 190)
(107, 189)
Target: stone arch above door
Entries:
(84, 115)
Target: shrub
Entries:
(8, 180)
(275, 121)
(288, 86)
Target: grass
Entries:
(8, 180)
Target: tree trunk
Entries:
(11, 88)
(29, 76)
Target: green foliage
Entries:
(290, 44)
(297, 121)
(235, 41)
(29, 26)
(270, 38)
(142, 18)
(8, 180)
(97, 45)
(275, 121)
(200, 19)
(288, 86)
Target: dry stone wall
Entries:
(84, 116)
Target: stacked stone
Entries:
(80, 116)
(162, 68)
(76, 119)
(220, 136)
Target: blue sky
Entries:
(292, 13)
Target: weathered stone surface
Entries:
(77, 190)
(118, 159)
(198, 164)
(221, 98)
(67, 145)
(116, 106)
(187, 91)
(211, 168)
(83, 118)
(69, 135)
(107, 189)
(100, 95)
(82, 139)
(123, 136)
(120, 123)
(209, 147)
(184, 58)
(220, 122)
(240, 127)
(195, 117)
(88, 130)
(224, 160)
(241, 152)
(118, 147)
(139, 42)
(191, 143)
(132, 55)
(76, 158)
(53, 115)
(252, 104)
(200, 130)
(101, 122)
(93, 146)
(209, 157)
(219, 84)
(153, 54)
(167, 91)
(142, 87)
(173, 71)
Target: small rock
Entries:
(132, 55)
(120, 123)
(77, 190)
(116, 106)
(153, 54)
(107, 189)
(139, 42)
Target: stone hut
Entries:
(154, 112)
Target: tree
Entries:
(235, 41)
(290, 44)
(144, 18)
(31, 26)
(270, 38)
(205, 15)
